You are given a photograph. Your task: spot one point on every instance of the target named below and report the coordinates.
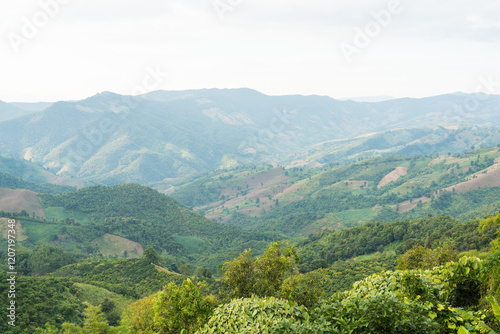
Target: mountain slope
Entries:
(144, 216)
(9, 111)
(298, 202)
(111, 139)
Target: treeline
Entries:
(332, 246)
(40, 260)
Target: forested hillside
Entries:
(437, 288)
(134, 218)
(402, 226)
(297, 202)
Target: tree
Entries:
(151, 256)
(260, 315)
(95, 321)
(420, 257)
(171, 310)
(239, 274)
(182, 307)
(185, 269)
(262, 276)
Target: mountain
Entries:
(111, 139)
(370, 98)
(31, 106)
(32, 173)
(10, 111)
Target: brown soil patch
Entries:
(291, 189)
(113, 245)
(58, 180)
(20, 232)
(164, 270)
(16, 200)
(267, 179)
(393, 176)
(407, 205)
(478, 180)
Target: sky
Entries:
(71, 49)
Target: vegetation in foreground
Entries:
(432, 291)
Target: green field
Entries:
(192, 244)
(39, 233)
(60, 214)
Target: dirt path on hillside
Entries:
(393, 176)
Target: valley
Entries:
(164, 197)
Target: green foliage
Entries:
(129, 277)
(154, 220)
(40, 300)
(343, 274)
(271, 275)
(94, 323)
(332, 246)
(495, 306)
(170, 310)
(151, 256)
(304, 289)
(415, 301)
(420, 257)
(262, 276)
(48, 258)
(182, 307)
(239, 274)
(258, 315)
(272, 267)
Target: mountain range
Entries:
(162, 136)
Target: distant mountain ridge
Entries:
(162, 135)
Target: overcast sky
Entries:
(335, 48)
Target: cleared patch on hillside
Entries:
(16, 200)
(62, 181)
(260, 193)
(192, 244)
(489, 177)
(393, 176)
(96, 296)
(165, 270)
(112, 245)
(409, 205)
(20, 232)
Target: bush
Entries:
(259, 315)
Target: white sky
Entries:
(274, 46)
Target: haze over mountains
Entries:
(163, 135)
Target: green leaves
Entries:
(495, 306)
(259, 315)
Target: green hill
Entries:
(145, 216)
